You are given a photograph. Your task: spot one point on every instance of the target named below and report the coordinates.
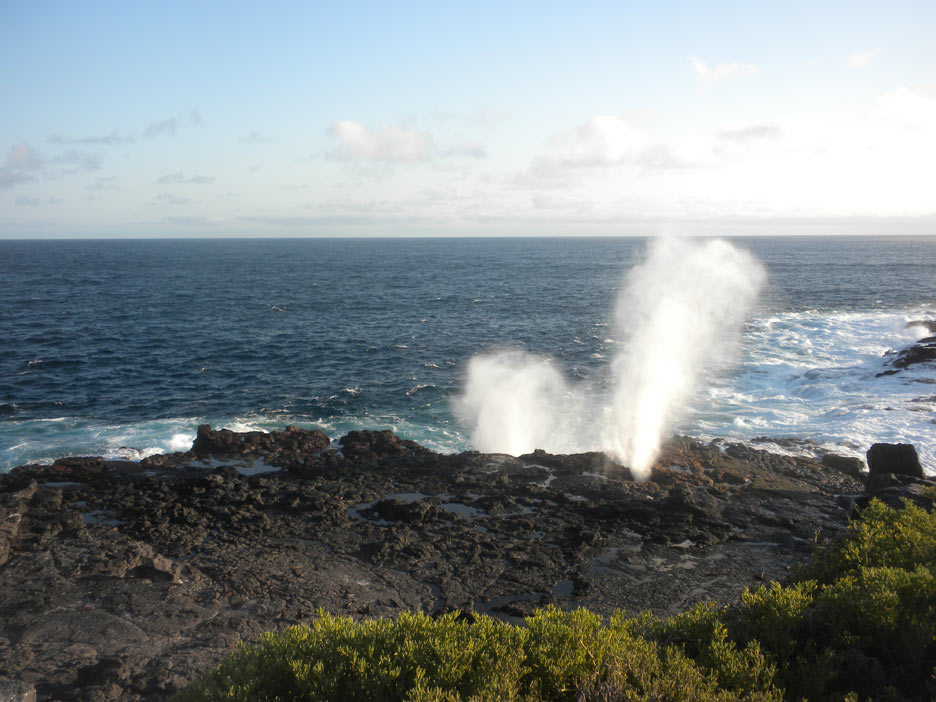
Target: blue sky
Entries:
(369, 119)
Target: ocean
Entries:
(122, 347)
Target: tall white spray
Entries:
(679, 315)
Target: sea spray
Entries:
(678, 316)
(516, 401)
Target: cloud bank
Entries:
(357, 142)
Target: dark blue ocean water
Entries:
(123, 347)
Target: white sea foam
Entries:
(814, 376)
(128, 453)
(243, 425)
(181, 441)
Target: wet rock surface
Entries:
(923, 351)
(123, 580)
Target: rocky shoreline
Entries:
(124, 580)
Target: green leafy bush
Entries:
(861, 617)
(882, 536)
(558, 656)
(859, 623)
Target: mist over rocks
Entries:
(702, 291)
(123, 580)
(927, 324)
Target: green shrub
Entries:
(558, 656)
(701, 634)
(410, 657)
(862, 616)
(859, 623)
(881, 536)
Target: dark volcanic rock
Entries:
(894, 492)
(125, 580)
(371, 446)
(280, 447)
(895, 473)
(17, 692)
(846, 464)
(923, 351)
(898, 459)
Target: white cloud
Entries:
(469, 149)
(171, 125)
(28, 201)
(860, 59)
(750, 133)
(80, 160)
(256, 137)
(349, 207)
(170, 199)
(613, 142)
(872, 162)
(178, 178)
(106, 183)
(907, 108)
(113, 138)
(308, 222)
(21, 162)
(23, 157)
(386, 143)
(165, 126)
(200, 221)
(24, 164)
(10, 177)
(746, 141)
(604, 140)
(719, 73)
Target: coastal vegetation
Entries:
(856, 623)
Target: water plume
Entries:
(678, 316)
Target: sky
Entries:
(195, 119)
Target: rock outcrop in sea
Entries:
(124, 580)
(923, 351)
